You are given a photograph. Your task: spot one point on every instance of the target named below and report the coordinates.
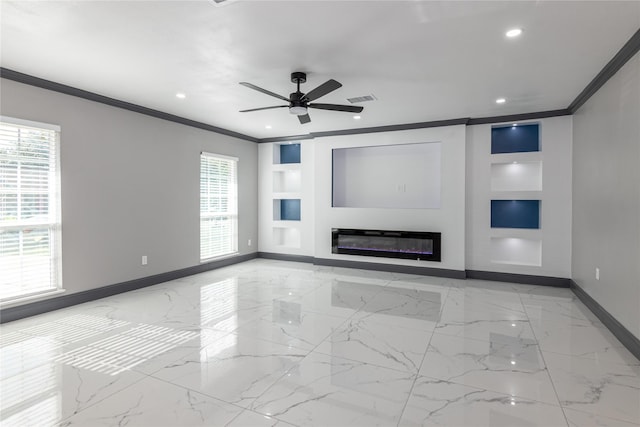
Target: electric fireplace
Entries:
(419, 245)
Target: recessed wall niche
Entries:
(515, 138)
(516, 176)
(516, 251)
(286, 237)
(402, 176)
(515, 214)
(286, 210)
(286, 154)
(287, 181)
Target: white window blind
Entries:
(218, 206)
(29, 209)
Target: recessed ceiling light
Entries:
(180, 95)
(357, 117)
(514, 32)
(500, 101)
(267, 127)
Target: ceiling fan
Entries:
(299, 102)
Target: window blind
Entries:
(29, 209)
(218, 206)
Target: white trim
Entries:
(54, 225)
(29, 123)
(57, 205)
(219, 156)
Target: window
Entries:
(218, 206)
(29, 209)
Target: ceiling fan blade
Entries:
(322, 90)
(304, 119)
(336, 107)
(263, 108)
(267, 92)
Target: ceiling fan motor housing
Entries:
(297, 105)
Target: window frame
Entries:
(53, 224)
(231, 213)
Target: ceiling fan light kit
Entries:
(298, 110)
(299, 102)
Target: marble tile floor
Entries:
(271, 343)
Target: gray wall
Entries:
(606, 196)
(130, 186)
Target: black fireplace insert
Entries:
(419, 245)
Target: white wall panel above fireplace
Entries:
(399, 176)
(448, 219)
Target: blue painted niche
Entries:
(515, 139)
(515, 214)
(290, 209)
(289, 153)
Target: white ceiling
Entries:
(423, 60)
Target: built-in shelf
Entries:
(516, 138)
(285, 167)
(522, 233)
(287, 181)
(286, 154)
(516, 251)
(286, 210)
(286, 195)
(516, 176)
(516, 187)
(286, 237)
(515, 214)
(519, 198)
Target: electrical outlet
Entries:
(597, 273)
(249, 242)
(144, 260)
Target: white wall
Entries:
(403, 176)
(286, 237)
(488, 249)
(448, 220)
(130, 186)
(606, 196)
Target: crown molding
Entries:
(627, 52)
(631, 47)
(16, 76)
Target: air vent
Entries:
(359, 99)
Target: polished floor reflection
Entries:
(270, 343)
